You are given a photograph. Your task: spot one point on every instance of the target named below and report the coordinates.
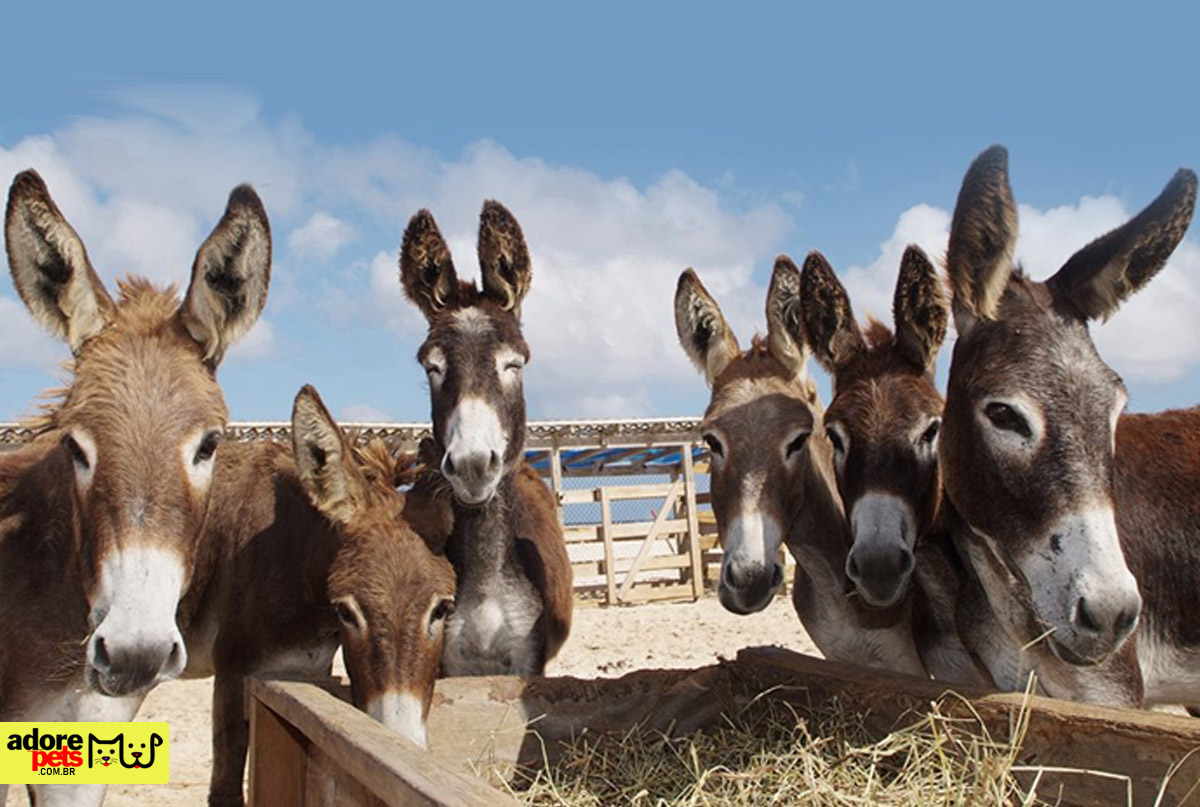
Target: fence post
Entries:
(556, 482)
(610, 575)
(689, 488)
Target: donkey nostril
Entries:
(448, 466)
(494, 461)
(100, 653)
(777, 578)
(1126, 620)
(905, 561)
(176, 656)
(1085, 618)
(727, 577)
(852, 567)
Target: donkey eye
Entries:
(931, 433)
(443, 609)
(347, 615)
(1005, 418)
(207, 447)
(77, 455)
(797, 443)
(714, 445)
(835, 439)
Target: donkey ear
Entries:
(426, 270)
(503, 257)
(919, 309)
(829, 324)
(983, 234)
(230, 276)
(1098, 278)
(705, 335)
(50, 266)
(323, 457)
(785, 331)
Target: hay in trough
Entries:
(775, 753)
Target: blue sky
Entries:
(631, 140)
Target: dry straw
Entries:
(775, 753)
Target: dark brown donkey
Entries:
(883, 423)
(772, 477)
(307, 547)
(101, 515)
(514, 577)
(1037, 497)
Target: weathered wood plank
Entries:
(606, 526)
(693, 530)
(390, 767)
(277, 760)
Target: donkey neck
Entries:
(482, 544)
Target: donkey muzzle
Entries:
(118, 668)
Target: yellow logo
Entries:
(84, 753)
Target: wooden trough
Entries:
(310, 747)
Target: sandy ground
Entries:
(604, 642)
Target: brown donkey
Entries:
(1043, 473)
(772, 477)
(514, 577)
(101, 515)
(307, 547)
(883, 423)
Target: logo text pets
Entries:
(85, 752)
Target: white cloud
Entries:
(321, 236)
(1154, 337)
(256, 345)
(363, 413)
(23, 343)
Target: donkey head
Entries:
(475, 353)
(142, 417)
(757, 428)
(1031, 413)
(390, 592)
(884, 418)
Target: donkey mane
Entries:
(142, 309)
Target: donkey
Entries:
(101, 514)
(1072, 518)
(308, 548)
(883, 423)
(504, 540)
(772, 477)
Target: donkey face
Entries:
(475, 353)
(1031, 413)
(390, 592)
(884, 418)
(757, 427)
(142, 417)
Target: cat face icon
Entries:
(130, 755)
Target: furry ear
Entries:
(785, 331)
(230, 276)
(829, 324)
(1098, 278)
(323, 458)
(503, 257)
(919, 309)
(50, 267)
(703, 332)
(983, 234)
(426, 270)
